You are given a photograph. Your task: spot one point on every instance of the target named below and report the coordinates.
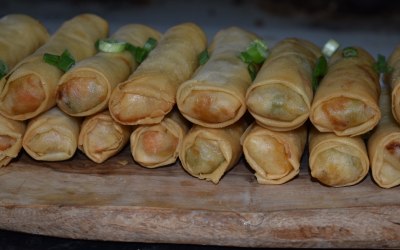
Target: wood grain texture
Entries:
(113, 201)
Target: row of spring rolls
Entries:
(216, 94)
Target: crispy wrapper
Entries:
(149, 93)
(281, 95)
(31, 87)
(158, 145)
(101, 137)
(86, 88)
(20, 35)
(393, 79)
(337, 160)
(384, 147)
(208, 153)
(215, 96)
(346, 101)
(11, 134)
(52, 136)
(274, 155)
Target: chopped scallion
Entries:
(349, 52)
(150, 44)
(381, 65)
(110, 45)
(320, 70)
(64, 62)
(140, 54)
(253, 69)
(3, 69)
(255, 54)
(203, 57)
(330, 47)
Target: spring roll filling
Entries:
(158, 145)
(344, 112)
(211, 107)
(204, 156)
(80, 94)
(104, 137)
(6, 142)
(270, 155)
(277, 102)
(24, 95)
(336, 166)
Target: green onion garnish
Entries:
(110, 45)
(381, 66)
(255, 54)
(64, 62)
(253, 69)
(3, 69)
(320, 70)
(203, 57)
(330, 47)
(141, 53)
(150, 44)
(349, 52)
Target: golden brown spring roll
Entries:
(149, 93)
(215, 96)
(208, 153)
(52, 136)
(393, 79)
(101, 137)
(274, 155)
(337, 160)
(281, 94)
(20, 35)
(346, 101)
(158, 145)
(32, 85)
(11, 133)
(86, 88)
(384, 146)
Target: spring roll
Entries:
(393, 79)
(11, 133)
(347, 99)
(337, 160)
(52, 136)
(215, 96)
(158, 145)
(149, 93)
(384, 146)
(86, 88)
(32, 85)
(274, 155)
(20, 35)
(101, 137)
(281, 94)
(209, 153)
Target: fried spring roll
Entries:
(32, 85)
(11, 133)
(20, 35)
(87, 87)
(149, 93)
(384, 146)
(393, 79)
(208, 153)
(274, 155)
(101, 137)
(215, 96)
(346, 101)
(52, 136)
(158, 145)
(337, 160)
(281, 94)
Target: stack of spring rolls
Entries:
(208, 114)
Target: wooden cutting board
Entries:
(121, 201)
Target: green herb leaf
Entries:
(110, 45)
(254, 55)
(320, 70)
(64, 62)
(349, 52)
(381, 66)
(330, 47)
(3, 69)
(203, 57)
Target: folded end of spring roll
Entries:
(158, 145)
(274, 156)
(51, 136)
(337, 161)
(393, 79)
(11, 133)
(101, 137)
